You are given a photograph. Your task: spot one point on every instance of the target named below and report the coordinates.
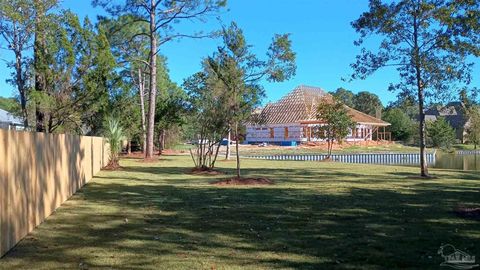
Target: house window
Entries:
(272, 133)
(286, 132)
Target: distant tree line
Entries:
(428, 42)
(71, 76)
(403, 115)
(9, 105)
(363, 101)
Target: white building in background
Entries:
(291, 120)
(9, 121)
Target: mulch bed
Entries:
(133, 155)
(243, 182)
(470, 213)
(141, 155)
(112, 167)
(149, 160)
(197, 171)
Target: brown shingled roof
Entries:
(300, 106)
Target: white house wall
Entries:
(258, 134)
(262, 133)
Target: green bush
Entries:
(440, 133)
(402, 128)
(114, 133)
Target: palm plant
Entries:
(114, 134)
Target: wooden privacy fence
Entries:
(38, 172)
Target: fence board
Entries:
(3, 192)
(38, 172)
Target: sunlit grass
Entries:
(345, 149)
(318, 215)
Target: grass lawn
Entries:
(464, 147)
(316, 216)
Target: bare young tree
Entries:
(336, 122)
(240, 72)
(210, 109)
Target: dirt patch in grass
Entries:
(227, 160)
(113, 167)
(154, 159)
(205, 171)
(468, 212)
(133, 155)
(141, 155)
(422, 177)
(171, 152)
(235, 181)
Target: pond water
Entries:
(457, 161)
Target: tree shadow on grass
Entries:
(156, 226)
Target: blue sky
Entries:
(320, 30)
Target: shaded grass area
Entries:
(316, 216)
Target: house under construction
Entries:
(291, 120)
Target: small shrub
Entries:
(402, 128)
(441, 134)
(114, 133)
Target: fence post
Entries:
(3, 191)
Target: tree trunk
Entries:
(141, 90)
(161, 141)
(160, 148)
(421, 100)
(129, 147)
(423, 152)
(236, 148)
(329, 148)
(164, 136)
(39, 63)
(50, 123)
(228, 152)
(153, 83)
(212, 165)
(21, 86)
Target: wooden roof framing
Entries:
(299, 106)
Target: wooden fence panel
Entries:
(3, 191)
(106, 153)
(38, 172)
(97, 161)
